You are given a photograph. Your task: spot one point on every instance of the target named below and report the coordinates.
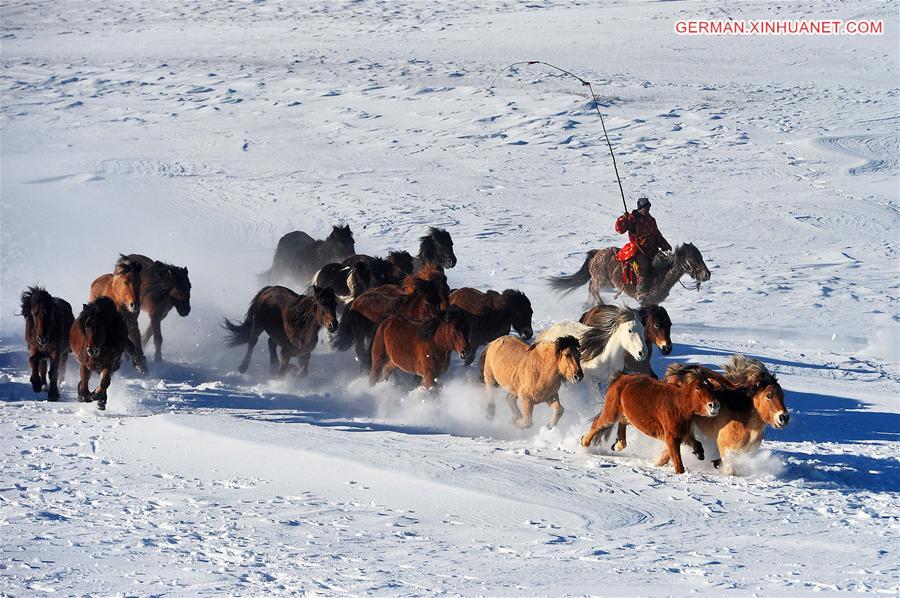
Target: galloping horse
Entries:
(616, 331)
(123, 287)
(659, 410)
(98, 338)
(531, 374)
(657, 331)
(163, 286)
(292, 322)
(604, 271)
(421, 348)
(48, 321)
(298, 256)
(491, 314)
(751, 399)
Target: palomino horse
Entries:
(98, 338)
(358, 273)
(751, 399)
(604, 271)
(292, 322)
(123, 286)
(616, 331)
(659, 410)
(163, 286)
(420, 348)
(298, 256)
(491, 314)
(435, 248)
(531, 374)
(421, 296)
(48, 321)
(657, 331)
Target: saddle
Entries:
(629, 264)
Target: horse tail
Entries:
(567, 284)
(239, 333)
(343, 338)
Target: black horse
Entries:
(298, 256)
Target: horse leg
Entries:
(527, 408)
(621, 437)
(35, 362)
(303, 364)
(84, 394)
(156, 325)
(514, 407)
(100, 393)
(145, 338)
(43, 373)
(673, 443)
(557, 411)
(63, 359)
(134, 335)
(251, 344)
(273, 356)
(286, 355)
(604, 420)
(53, 391)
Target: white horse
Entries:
(603, 346)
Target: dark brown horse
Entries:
(358, 273)
(298, 256)
(48, 321)
(491, 314)
(604, 271)
(436, 248)
(657, 331)
(420, 348)
(659, 410)
(292, 322)
(98, 338)
(417, 298)
(163, 286)
(123, 287)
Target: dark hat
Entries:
(643, 202)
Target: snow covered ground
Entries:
(199, 132)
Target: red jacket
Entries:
(642, 231)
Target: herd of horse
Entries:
(400, 313)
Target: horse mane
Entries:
(567, 342)
(157, 289)
(737, 399)
(748, 373)
(516, 301)
(593, 341)
(124, 266)
(431, 245)
(686, 373)
(305, 308)
(402, 260)
(342, 234)
(657, 313)
(32, 295)
(101, 309)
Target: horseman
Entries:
(645, 242)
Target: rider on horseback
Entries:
(645, 242)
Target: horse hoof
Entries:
(619, 446)
(53, 396)
(101, 405)
(36, 384)
(717, 463)
(585, 443)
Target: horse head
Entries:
(402, 263)
(520, 312)
(629, 332)
(437, 248)
(37, 307)
(340, 243)
(431, 273)
(699, 390)
(180, 293)
(690, 260)
(767, 394)
(325, 308)
(657, 327)
(126, 284)
(455, 327)
(568, 359)
(94, 322)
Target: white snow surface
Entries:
(199, 132)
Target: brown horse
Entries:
(604, 271)
(292, 322)
(531, 374)
(98, 338)
(657, 331)
(491, 314)
(659, 410)
(421, 348)
(751, 399)
(422, 295)
(123, 286)
(163, 286)
(298, 256)
(48, 321)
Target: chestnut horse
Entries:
(123, 287)
(751, 399)
(98, 338)
(421, 348)
(657, 331)
(298, 256)
(422, 295)
(491, 314)
(163, 286)
(48, 321)
(530, 374)
(659, 410)
(292, 322)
